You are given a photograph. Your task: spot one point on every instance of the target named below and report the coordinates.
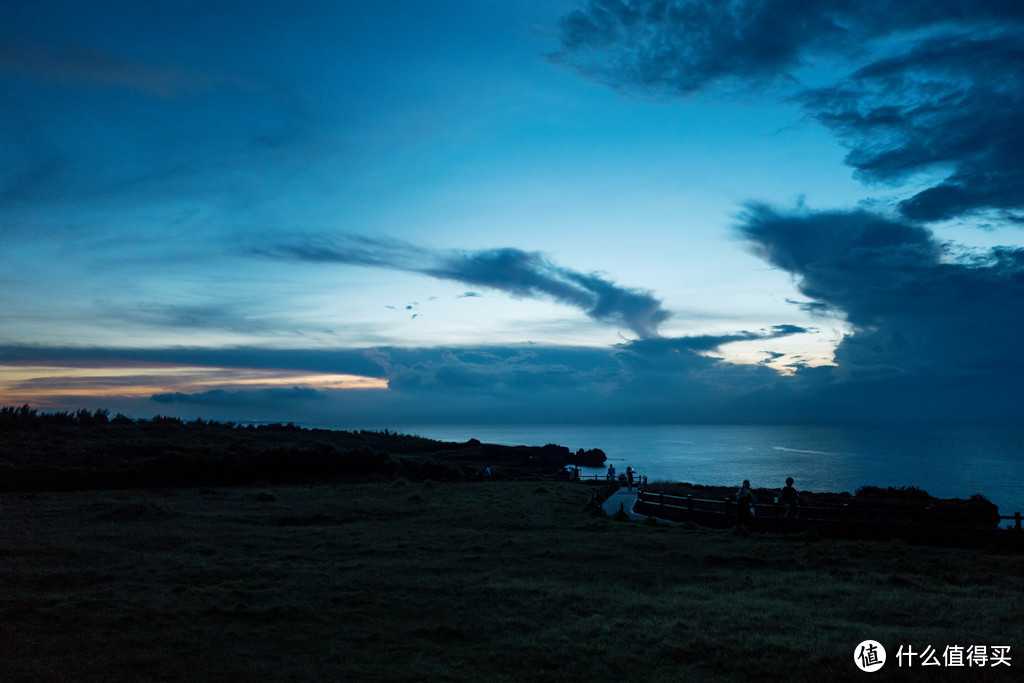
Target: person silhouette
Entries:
(790, 500)
(745, 502)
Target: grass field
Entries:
(464, 581)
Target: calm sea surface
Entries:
(945, 461)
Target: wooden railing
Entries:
(1016, 520)
(726, 508)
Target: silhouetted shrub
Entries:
(22, 417)
(911, 493)
(89, 450)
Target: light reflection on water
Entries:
(945, 461)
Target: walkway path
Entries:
(624, 500)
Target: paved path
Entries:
(623, 499)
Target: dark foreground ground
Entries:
(465, 581)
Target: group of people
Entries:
(746, 501)
(630, 475)
(744, 496)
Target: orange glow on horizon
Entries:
(29, 384)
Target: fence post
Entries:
(662, 496)
(689, 503)
(1016, 521)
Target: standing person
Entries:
(629, 477)
(745, 500)
(611, 472)
(790, 500)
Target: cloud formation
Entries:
(925, 95)
(914, 305)
(336, 361)
(234, 399)
(645, 381)
(679, 47)
(520, 273)
(88, 66)
(156, 127)
(950, 103)
(933, 89)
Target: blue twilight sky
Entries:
(534, 211)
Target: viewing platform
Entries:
(928, 525)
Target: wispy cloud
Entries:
(162, 127)
(236, 399)
(84, 65)
(329, 361)
(72, 372)
(244, 318)
(519, 273)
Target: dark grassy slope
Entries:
(86, 451)
(463, 582)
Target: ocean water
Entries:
(945, 461)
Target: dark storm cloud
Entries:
(519, 273)
(932, 92)
(939, 88)
(678, 47)
(949, 101)
(816, 246)
(643, 381)
(913, 307)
